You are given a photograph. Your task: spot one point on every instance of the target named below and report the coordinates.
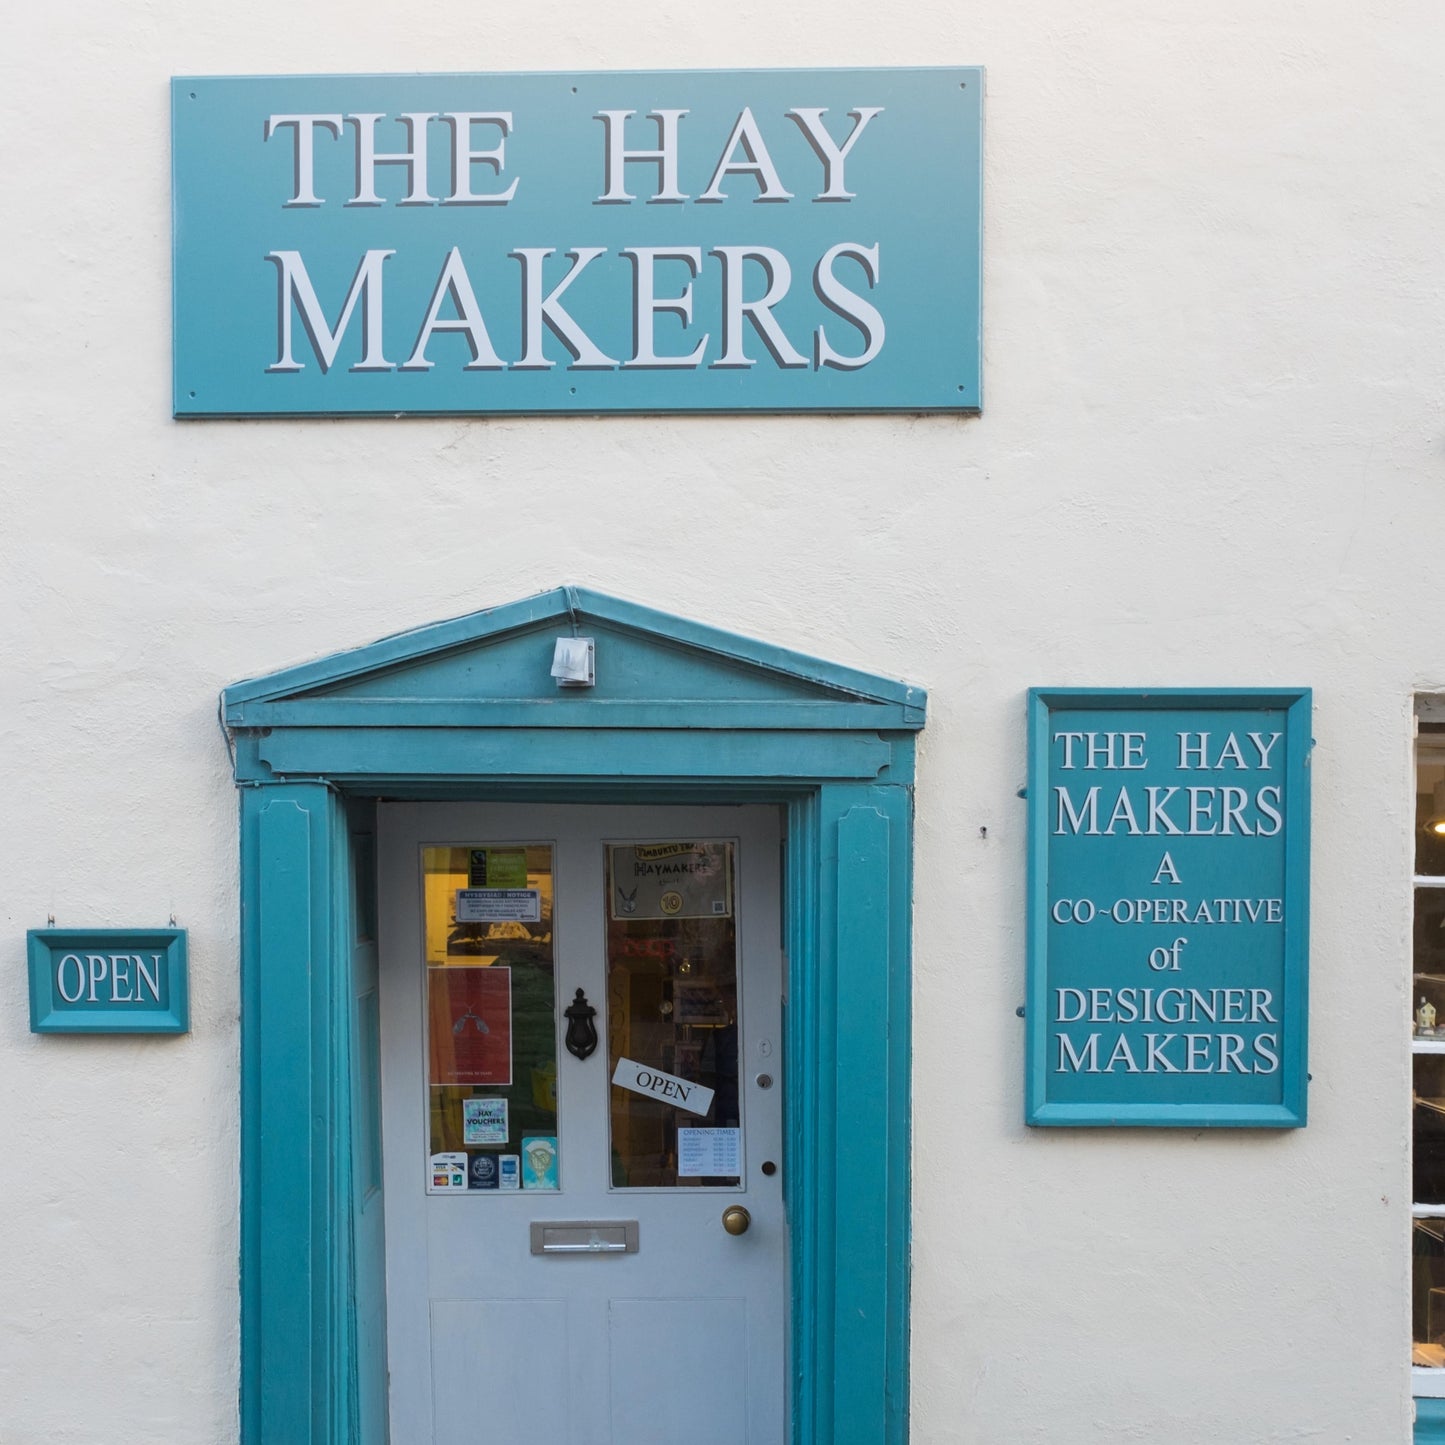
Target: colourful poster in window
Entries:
(470, 1025)
(484, 1121)
(496, 868)
(539, 1162)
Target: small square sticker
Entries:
(539, 1162)
(446, 1173)
(484, 1121)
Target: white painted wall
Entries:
(1211, 454)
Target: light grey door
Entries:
(583, 1251)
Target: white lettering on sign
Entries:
(744, 153)
(1165, 1005)
(1169, 910)
(1191, 1054)
(746, 135)
(649, 305)
(71, 960)
(108, 978)
(682, 1093)
(149, 978)
(1202, 812)
(810, 121)
(1218, 1026)
(325, 340)
(742, 268)
(617, 156)
(413, 158)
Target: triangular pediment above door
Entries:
(493, 669)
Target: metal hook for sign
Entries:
(581, 1031)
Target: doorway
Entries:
(682, 716)
(583, 1250)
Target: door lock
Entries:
(735, 1219)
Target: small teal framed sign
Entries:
(108, 981)
(1168, 927)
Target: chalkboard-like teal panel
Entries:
(1168, 907)
(696, 241)
(108, 981)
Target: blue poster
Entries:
(1168, 907)
(789, 240)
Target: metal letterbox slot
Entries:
(584, 1236)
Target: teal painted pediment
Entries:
(493, 669)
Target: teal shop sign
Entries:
(1168, 907)
(108, 981)
(802, 240)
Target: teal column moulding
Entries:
(680, 712)
(1429, 1422)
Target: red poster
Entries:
(470, 1025)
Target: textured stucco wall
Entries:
(1211, 453)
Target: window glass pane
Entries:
(1429, 1112)
(1427, 1010)
(1429, 952)
(492, 1012)
(672, 1015)
(1427, 1268)
(1430, 815)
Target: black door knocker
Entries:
(581, 1031)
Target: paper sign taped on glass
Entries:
(670, 880)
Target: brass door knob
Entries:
(736, 1219)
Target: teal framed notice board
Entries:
(1168, 913)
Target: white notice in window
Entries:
(681, 1093)
(710, 1152)
(499, 905)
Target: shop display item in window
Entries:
(1425, 1016)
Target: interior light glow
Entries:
(1435, 823)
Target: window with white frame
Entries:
(1427, 1006)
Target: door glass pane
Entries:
(491, 1007)
(672, 1015)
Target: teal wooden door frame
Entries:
(1429, 1421)
(465, 709)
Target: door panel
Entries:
(648, 911)
(479, 1348)
(701, 1344)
